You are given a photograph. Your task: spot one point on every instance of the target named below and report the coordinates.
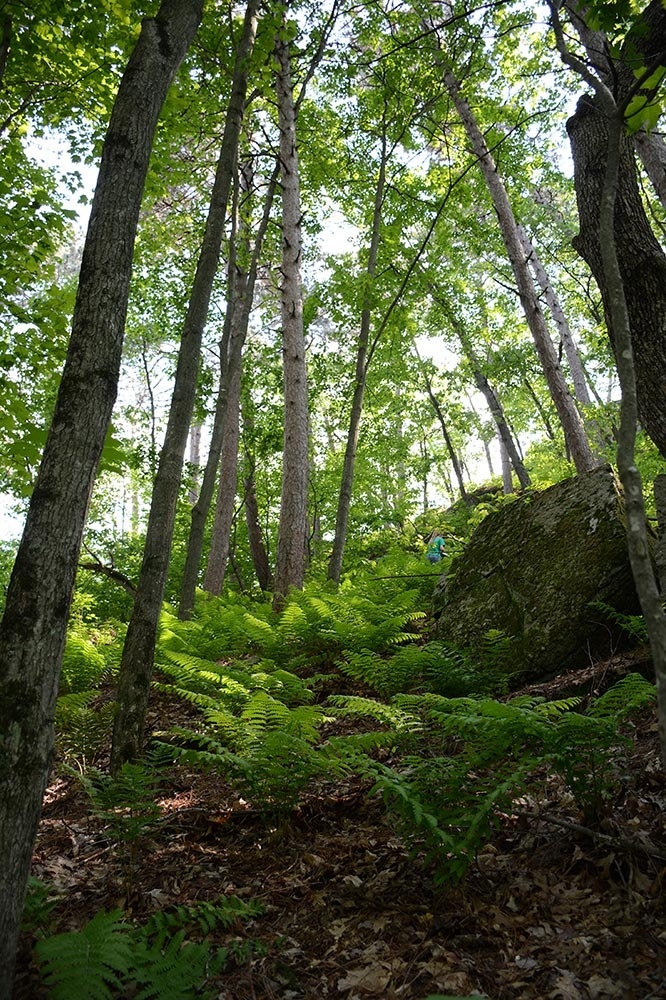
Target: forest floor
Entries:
(550, 909)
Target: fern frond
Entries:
(628, 695)
(88, 964)
(389, 715)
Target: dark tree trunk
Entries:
(139, 649)
(641, 259)
(33, 628)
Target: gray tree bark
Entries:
(139, 649)
(33, 628)
(360, 381)
(241, 296)
(578, 379)
(293, 525)
(570, 419)
(255, 538)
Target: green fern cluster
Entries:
(82, 727)
(431, 667)
(126, 805)
(83, 665)
(112, 957)
(633, 626)
(467, 759)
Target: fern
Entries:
(81, 730)
(110, 957)
(83, 666)
(90, 964)
(204, 916)
(629, 695)
(633, 626)
(392, 715)
(471, 757)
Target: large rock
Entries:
(531, 570)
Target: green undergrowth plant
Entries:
(433, 666)
(632, 626)
(82, 727)
(126, 804)
(114, 957)
(40, 901)
(464, 761)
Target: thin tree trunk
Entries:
(503, 429)
(447, 438)
(541, 410)
(550, 295)
(224, 508)
(361, 376)
(255, 539)
(507, 478)
(241, 297)
(195, 459)
(293, 524)
(139, 649)
(33, 628)
(570, 418)
(485, 388)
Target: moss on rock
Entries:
(531, 570)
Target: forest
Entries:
(290, 289)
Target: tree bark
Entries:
(578, 379)
(139, 649)
(293, 525)
(240, 305)
(255, 539)
(240, 296)
(218, 553)
(613, 202)
(360, 381)
(641, 260)
(572, 423)
(33, 628)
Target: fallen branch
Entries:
(612, 840)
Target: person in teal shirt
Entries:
(436, 548)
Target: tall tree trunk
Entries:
(503, 429)
(139, 649)
(255, 539)
(347, 482)
(293, 526)
(650, 146)
(507, 478)
(447, 438)
(570, 418)
(241, 297)
(641, 259)
(33, 628)
(578, 379)
(488, 393)
(611, 194)
(226, 495)
(195, 459)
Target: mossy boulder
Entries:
(532, 569)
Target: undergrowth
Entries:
(440, 742)
(113, 956)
